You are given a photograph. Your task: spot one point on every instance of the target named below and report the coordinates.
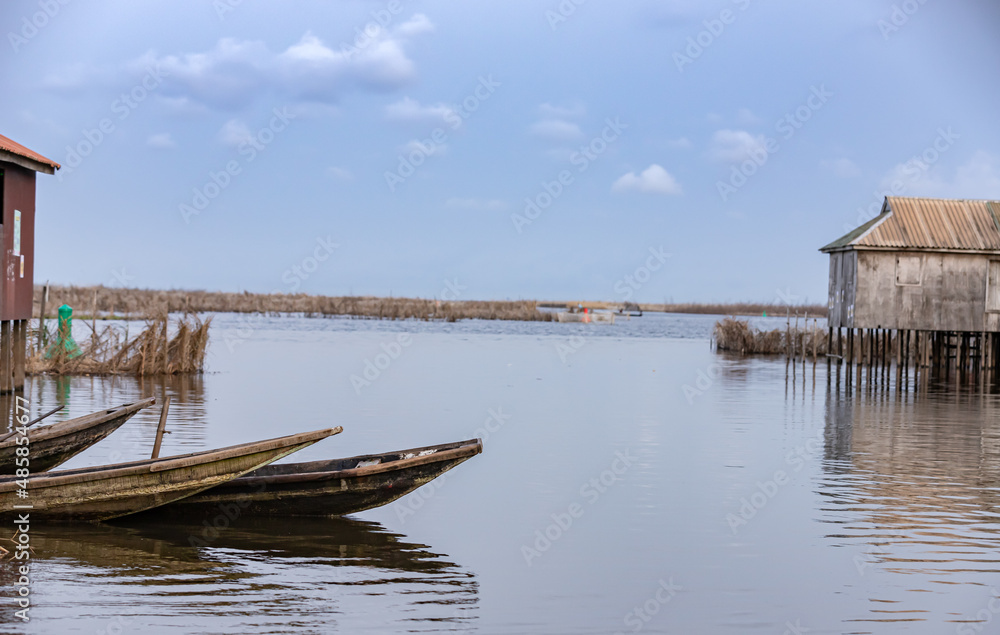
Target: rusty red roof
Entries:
(928, 223)
(13, 147)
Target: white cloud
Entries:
(341, 173)
(417, 25)
(653, 180)
(978, 178)
(551, 111)
(734, 146)
(843, 167)
(478, 204)
(161, 141)
(556, 130)
(234, 73)
(408, 109)
(235, 133)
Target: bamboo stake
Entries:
(41, 318)
(161, 429)
(93, 326)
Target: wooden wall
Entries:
(17, 285)
(924, 291)
(843, 270)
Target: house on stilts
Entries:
(919, 283)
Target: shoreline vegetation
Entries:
(738, 336)
(110, 302)
(157, 349)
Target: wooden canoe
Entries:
(52, 445)
(323, 488)
(591, 317)
(110, 491)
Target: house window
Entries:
(993, 288)
(908, 270)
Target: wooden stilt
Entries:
(20, 349)
(6, 370)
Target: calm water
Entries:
(632, 480)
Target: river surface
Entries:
(633, 480)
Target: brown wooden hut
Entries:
(18, 166)
(920, 281)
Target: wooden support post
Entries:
(20, 349)
(41, 317)
(6, 372)
(788, 333)
(93, 327)
(161, 429)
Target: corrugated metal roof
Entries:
(16, 148)
(928, 223)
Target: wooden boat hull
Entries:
(53, 445)
(595, 318)
(323, 488)
(111, 491)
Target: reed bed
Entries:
(153, 351)
(742, 308)
(740, 337)
(140, 302)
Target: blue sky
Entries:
(685, 151)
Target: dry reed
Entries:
(738, 336)
(142, 302)
(152, 352)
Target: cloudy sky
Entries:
(685, 151)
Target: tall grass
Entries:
(153, 351)
(141, 302)
(738, 336)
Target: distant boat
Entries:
(324, 488)
(53, 445)
(110, 491)
(596, 317)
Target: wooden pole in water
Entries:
(41, 317)
(814, 329)
(93, 327)
(20, 349)
(788, 333)
(161, 429)
(5, 358)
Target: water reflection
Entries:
(911, 487)
(261, 576)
